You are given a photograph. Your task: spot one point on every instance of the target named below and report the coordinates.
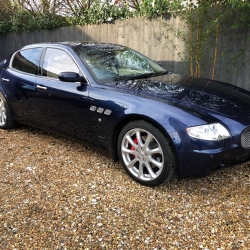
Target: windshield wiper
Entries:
(139, 76)
(148, 75)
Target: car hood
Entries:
(215, 96)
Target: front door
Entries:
(62, 106)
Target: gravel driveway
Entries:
(59, 194)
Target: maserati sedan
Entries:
(158, 124)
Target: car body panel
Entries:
(19, 90)
(60, 104)
(188, 91)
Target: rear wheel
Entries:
(5, 120)
(146, 154)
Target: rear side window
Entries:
(27, 60)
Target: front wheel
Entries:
(5, 120)
(146, 154)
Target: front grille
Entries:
(245, 138)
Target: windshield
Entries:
(112, 63)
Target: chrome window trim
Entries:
(41, 61)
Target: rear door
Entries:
(18, 83)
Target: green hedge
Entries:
(18, 21)
(26, 21)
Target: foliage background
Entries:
(206, 22)
(22, 15)
(28, 15)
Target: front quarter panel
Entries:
(172, 120)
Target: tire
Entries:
(153, 162)
(5, 118)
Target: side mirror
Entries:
(71, 77)
(2, 63)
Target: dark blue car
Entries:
(156, 123)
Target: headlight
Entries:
(211, 132)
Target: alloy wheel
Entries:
(142, 154)
(3, 115)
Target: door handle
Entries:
(5, 79)
(41, 87)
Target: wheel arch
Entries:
(129, 119)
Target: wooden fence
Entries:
(150, 38)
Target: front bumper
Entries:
(198, 162)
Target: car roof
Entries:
(73, 44)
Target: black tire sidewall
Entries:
(8, 123)
(169, 158)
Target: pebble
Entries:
(60, 194)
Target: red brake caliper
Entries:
(132, 148)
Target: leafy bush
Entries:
(153, 9)
(99, 12)
(27, 21)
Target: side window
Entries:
(27, 60)
(57, 61)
